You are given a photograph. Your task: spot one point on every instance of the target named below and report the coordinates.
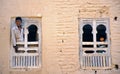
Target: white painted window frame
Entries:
(27, 60)
(91, 61)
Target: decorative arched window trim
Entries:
(92, 56)
(27, 59)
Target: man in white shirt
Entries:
(17, 33)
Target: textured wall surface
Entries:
(60, 38)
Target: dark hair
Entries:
(18, 18)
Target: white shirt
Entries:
(17, 35)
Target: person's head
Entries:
(18, 21)
(102, 39)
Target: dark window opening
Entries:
(89, 51)
(19, 46)
(31, 51)
(102, 46)
(87, 33)
(87, 46)
(101, 35)
(101, 51)
(33, 45)
(32, 36)
(115, 18)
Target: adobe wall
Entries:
(60, 38)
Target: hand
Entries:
(16, 48)
(18, 51)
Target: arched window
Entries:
(32, 33)
(94, 44)
(101, 32)
(29, 49)
(87, 33)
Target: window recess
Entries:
(29, 55)
(95, 44)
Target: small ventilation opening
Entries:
(101, 51)
(116, 66)
(115, 18)
(89, 51)
(86, 46)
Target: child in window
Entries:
(102, 39)
(17, 33)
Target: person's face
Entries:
(101, 39)
(18, 22)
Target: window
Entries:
(28, 54)
(95, 44)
